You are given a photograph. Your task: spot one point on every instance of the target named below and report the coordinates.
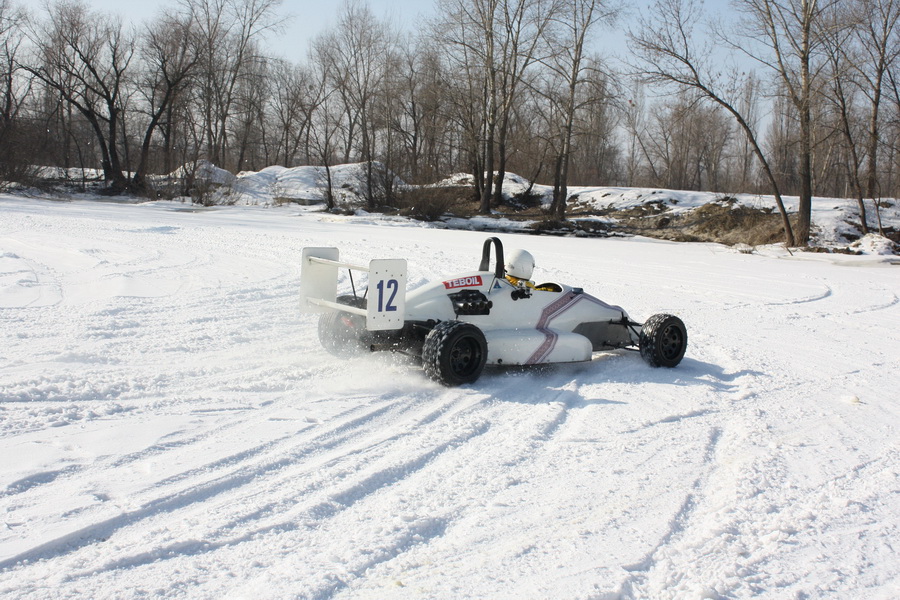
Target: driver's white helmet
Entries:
(520, 264)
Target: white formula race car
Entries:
(486, 317)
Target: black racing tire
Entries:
(663, 340)
(454, 353)
(342, 333)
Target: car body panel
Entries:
(536, 328)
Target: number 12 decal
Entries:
(387, 286)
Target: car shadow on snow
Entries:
(536, 384)
(697, 372)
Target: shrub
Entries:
(427, 203)
(16, 166)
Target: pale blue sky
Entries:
(308, 17)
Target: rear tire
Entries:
(663, 340)
(341, 333)
(454, 353)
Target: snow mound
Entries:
(300, 184)
(69, 174)
(513, 185)
(253, 187)
(622, 198)
(456, 179)
(873, 243)
(205, 172)
(306, 184)
(594, 198)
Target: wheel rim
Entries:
(671, 342)
(465, 356)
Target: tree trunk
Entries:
(557, 189)
(501, 174)
(488, 174)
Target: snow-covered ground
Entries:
(170, 427)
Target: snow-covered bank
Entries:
(677, 215)
(836, 221)
(170, 427)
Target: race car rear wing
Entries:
(385, 296)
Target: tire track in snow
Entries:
(526, 438)
(363, 488)
(159, 450)
(826, 292)
(894, 300)
(281, 457)
(540, 435)
(445, 489)
(384, 477)
(304, 514)
(34, 480)
(338, 443)
(350, 451)
(553, 412)
(670, 419)
(679, 523)
(339, 456)
(564, 470)
(237, 473)
(313, 513)
(760, 518)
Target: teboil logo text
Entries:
(473, 281)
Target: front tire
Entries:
(454, 353)
(341, 333)
(663, 340)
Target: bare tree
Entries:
(890, 146)
(523, 27)
(250, 123)
(664, 43)
(596, 157)
(787, 33)
(574, 22)
(878, 32)
(323, 143)
(12, 20)
(457, 35)
(421, 121)
(491, 44)
(748, 105)
(292, 104)
(323, 130)
(841, 54)
(687, 143)
(229, 32)
(14, 90)
(467, 31)
(170, 56)
(635, 126)
(357, 55)
(87, 64)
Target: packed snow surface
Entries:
(171, 428)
